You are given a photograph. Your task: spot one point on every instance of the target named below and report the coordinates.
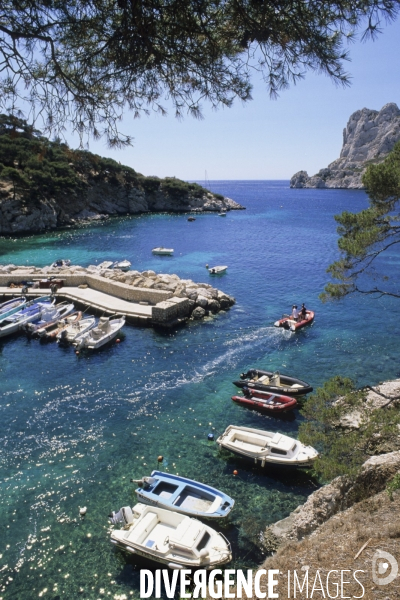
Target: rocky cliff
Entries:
(368, 137)
(45, 185)
(98, 200)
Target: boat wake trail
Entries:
(242, 348)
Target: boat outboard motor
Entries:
(124, 516)
(145, 482)
(275, 378)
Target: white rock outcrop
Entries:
(368, 138)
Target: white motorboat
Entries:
(48, 319)
(31, 312)
(76, 329)
(123, 265)
(170, 538)
(217, 270)
(161, 251)
(64, 310)
(52, 332)
(266, 447)
(107, 329)
(222, 213)
(106, 264)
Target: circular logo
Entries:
(384, 568)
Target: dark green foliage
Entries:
(38, 168)
(343, 448)
(393, 485)
(150, 184)
(368, 234)
(83, 63)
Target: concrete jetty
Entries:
(152, 304)
(135, 313)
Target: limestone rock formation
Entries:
(337, 496)
(98, 201)
(368, 138)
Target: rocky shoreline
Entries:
(345, 491)
(98, 203)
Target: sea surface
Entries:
(75, 429)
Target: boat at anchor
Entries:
(266, 447)
(187, 496)
(169, 538)
(273, 382)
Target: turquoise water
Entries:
(75, 429)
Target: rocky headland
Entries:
(367, 139)
(46, 185)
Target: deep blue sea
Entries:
(75, 429)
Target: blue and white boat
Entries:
(32, 311)
(183, 495)
(11, 306)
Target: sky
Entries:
(263, 138)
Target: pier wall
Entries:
(166, 309)
(96, 282)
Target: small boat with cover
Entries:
(266, 447)
(170, 538)
(265, 402)
(182, 495)
(287, 322)
(273, 382)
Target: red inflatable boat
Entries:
(289, 323)
(264, 402)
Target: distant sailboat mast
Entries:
(206, 184)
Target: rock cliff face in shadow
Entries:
(368, 138)
(96, 201)
(45, 185)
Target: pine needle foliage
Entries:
(81, 63)
(344, 448)
(368, 235)
(38, 168)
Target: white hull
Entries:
(11, 307)
(266, 447)
(17, 324)
(163, 251)
(97, 337)
(216, 270)
(172, 539)
(75, 330)
(123, 265)
(62, 312)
